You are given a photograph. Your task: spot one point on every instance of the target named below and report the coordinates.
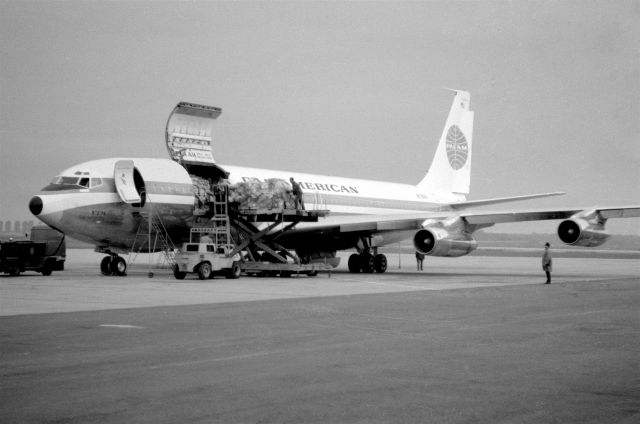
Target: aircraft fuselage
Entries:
(85, 204)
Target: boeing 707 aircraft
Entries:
(104, 201)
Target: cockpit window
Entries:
(82, 179)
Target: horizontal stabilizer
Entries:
(485, 202)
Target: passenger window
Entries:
(210, 248)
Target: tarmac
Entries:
(471, 339)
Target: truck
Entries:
(44, 252)
(207, 259)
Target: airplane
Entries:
(104, 201)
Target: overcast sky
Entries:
(338, 88)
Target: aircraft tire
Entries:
(177, 273)
(354, 263)
(380, 263)
(204, 271)
(105, 267)
(367, 263)
(118, 266)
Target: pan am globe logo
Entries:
(457, 147)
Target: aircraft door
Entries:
(125, 182)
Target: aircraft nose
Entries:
(35, 205)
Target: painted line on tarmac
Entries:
(119, 326)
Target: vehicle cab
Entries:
(206, 258)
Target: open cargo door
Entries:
(189, 133)
(125, 183)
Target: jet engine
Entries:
(449, 238)
(579, 230)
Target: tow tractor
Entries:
(205, 257)
(44, 252)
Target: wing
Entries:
(342, 231)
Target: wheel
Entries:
(285, 274)
(47, 268)
(118, 266)
(354, 263)
(105, 267)
(367, 263)
(234, 271)
(380, 263)
(177, 273)
(14, 271)
(204, 270)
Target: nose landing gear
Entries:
(113, 265)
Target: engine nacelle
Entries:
(440, 242)
(580, 232)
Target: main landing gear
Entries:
(368, 259)
(113, 265)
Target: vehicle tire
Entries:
(47, 268)
(367, 263)
(234, 271)
(380, 263)
(285, 274)
(177, 273)
(14, 271)
(105, 265)
(354, 263)
(204, 271)
(118, 266)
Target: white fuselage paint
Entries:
(98, 215)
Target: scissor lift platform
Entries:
(281, 215)
(275, 259)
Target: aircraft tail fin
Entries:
(450, 171)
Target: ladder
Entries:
(154, 234)
(221, 226)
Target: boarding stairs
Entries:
(152, 236)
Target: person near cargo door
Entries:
(546, 262)
(297, 194)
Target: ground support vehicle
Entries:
(207, 259)
(262, 255)
(44, 253)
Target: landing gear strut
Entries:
(367, 259)
(113, 265)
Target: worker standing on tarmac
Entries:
(297, 194)
(546, 262)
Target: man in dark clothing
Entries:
(546, 262)
(297, 194)
(419, 260)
